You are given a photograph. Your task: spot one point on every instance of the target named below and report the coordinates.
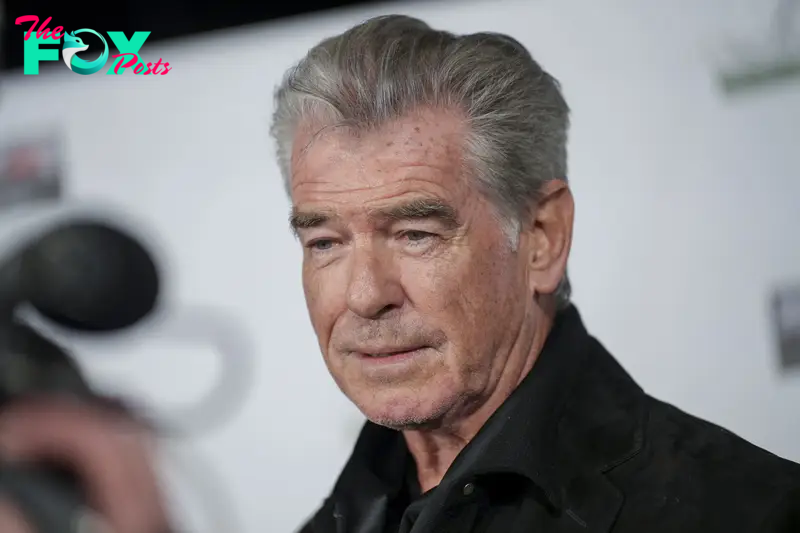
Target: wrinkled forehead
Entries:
(431, 138)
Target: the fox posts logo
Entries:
(37, 49)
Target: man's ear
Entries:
(550, 237)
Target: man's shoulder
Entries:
(687, 463)
(323, 519)
(674, 433)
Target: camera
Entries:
(79, 270)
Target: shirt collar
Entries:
(521, 436)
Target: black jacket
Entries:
(578, 447)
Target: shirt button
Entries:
(468, 489)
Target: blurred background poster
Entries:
(787, 317)
(31, 169)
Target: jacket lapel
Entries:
(601, 428)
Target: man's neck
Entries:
(435, 450)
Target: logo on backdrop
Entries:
(36, 49)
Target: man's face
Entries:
(413, 289)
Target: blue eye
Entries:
(321, 245)
(416, 236)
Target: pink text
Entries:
(134, 59)
(43, 32)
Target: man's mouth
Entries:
(388, 353)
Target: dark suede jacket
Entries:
(578, 447)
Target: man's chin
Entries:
(409, 424)
(402, 416)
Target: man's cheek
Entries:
(320, 284)
(316, 304)
(437, 288)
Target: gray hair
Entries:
(387, 66)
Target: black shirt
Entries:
(578, 447)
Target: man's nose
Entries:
(374, 286)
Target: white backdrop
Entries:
(687, 206)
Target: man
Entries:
(427, 174)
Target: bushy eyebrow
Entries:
(416, 209)
(299, 220)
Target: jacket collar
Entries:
(577, 411)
